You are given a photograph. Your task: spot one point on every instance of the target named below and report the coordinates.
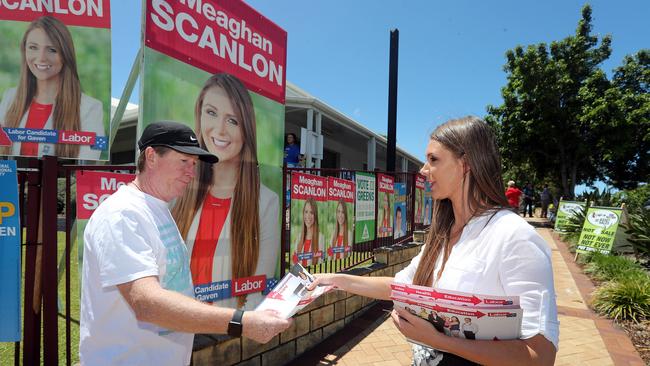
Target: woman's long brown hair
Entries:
(66, 115)
(345, 225)
(244, 214)
(472, 139)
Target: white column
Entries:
(310, 126)
(405, 164)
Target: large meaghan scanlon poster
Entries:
(220, 67)
(55, 79)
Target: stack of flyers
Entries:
(460, 314)
(291, 294)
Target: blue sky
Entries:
(450, 57)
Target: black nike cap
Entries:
(176, 136)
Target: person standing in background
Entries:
(513, 194)
(545, 197)
(529, 197)
(291, 151)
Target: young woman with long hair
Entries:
(342, 234)
(308, 249)
(49, 94)
(385, 226)
(228, 218)
(476, 244)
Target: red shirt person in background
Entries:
(513, 193)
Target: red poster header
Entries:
(221, 36)
(419, 181)
(304, 186)
(84, 13)
(94, 187)
(340, 189)
(385, 183)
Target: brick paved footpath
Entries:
(585, 338)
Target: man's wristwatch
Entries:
(235, 325)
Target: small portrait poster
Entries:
(309, 215)
(340, 205)
(385, 206)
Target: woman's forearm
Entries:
(375, 287)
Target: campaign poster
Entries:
(399, 227)
(93, 187)
(55, 79)
(340, 205)
(309, 216)
(418, 214)
(428, 204)
(565, 211)
(599, 230)
(385, 206)
(364, 228)
(220, 67)
(9, 253)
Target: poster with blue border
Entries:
(399, 227)
(9, 253)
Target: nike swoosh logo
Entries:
(192, 138)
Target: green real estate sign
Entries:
(364, 228)
(565, 211)
(599, 230)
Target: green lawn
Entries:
(7, 349)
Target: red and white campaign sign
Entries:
(340, 189)
(386, 183)
(304, 186)
(85, 13)
(94, 187)
(221, 36)
(419, 181)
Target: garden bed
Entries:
(639, 334)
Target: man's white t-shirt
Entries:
(501, 254)
(131, 235)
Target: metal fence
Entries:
(38, 191)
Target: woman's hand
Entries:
(417, 329)
(323, 279)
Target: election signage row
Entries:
(599, 230)
(322, 218)
(428, 204)
(220, 67)
(9, 253)
(73, 123)
(565, 211)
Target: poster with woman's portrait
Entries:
(340, 226)
(385, 204)
(55, 79)
(309, 218)
(219, 67)
(428, 204)
(399, 227)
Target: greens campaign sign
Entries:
(9, 253)
(74, 122)
(566, 210)
(340, 205)
(428, 204)
(220, 67)
(386, 203)
(599, 230)
(400, 210)
(418, 215)
(309, 215)
(364, 228)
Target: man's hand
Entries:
(262, 326)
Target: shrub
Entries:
(625, 299)
(610, 267)
(638, 229)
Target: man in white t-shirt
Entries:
(137, 304)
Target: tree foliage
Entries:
(564, 119)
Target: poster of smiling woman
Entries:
(55, 75)
(340, 205)
(219, 67)
(309, 218)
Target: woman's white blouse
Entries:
(501, 254)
